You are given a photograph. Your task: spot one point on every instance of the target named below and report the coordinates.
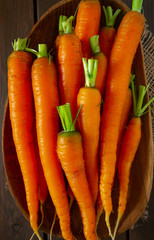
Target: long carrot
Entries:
(125, 114)
(108, 32)
(70, 68)
(102, 64)
(22, 122)
(87, 23)
(129, 148)
(122, 54)
(70, 153)
(46, 98)
(89, 124)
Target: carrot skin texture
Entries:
(127, 154)
(124, 118)
(44, 81)
(89, 125)
(101, 72)
(87, 23)
(70, 153)
(106, 40)
(22, 121)
(70, 70)
(120, 63)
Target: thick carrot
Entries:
(128, 150)
(102, 64)
(87, 23)
(70, 68)
(70, 153)
(46, 98)
(108, 32)
(22, 121)
(121, 58)
(89, 124)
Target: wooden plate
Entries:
(45, 31)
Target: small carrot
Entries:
(87, 23)
(70, 153)
(121, 58)
(46, 98)
(89, 123)
(129, 148)
(102, 64)
(70, 69)
(108, 32)
(125, 114)
(22, 122)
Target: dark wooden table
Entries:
(17, 17)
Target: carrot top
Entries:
(20, 44)
(65, 24)
(138, 110)
(90, 70)
(42, 50)
(94, 44)
(66, 117)
(109, 16)
(137, 5)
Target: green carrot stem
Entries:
(134, 97)
(66, 117)
(19, 44)
(62, 18)
(137, 5)
(90, 70)
(132, 77)
(65, 24)
(94, 44)
(137, 103)
(109, 16)
(42, 50)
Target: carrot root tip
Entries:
(52, 226)
(116, 227)
(107, 216)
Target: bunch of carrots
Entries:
(89, 88)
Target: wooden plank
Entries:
(16, 20)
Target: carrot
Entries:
(102, 64)
(70, 153)
(122, 54)
(22, 122)
(87, 23)
(129, 148)
(89, 123)
(125, 114)
(70, 69)
(108, 32)
(46, 98)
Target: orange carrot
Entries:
(70, 153)
(46, 98)
(129, 148)
(102, 64)
(121, 58)
(89, 123)
(108, 32)
(87, 23)
(22, 121)
(70, 69)
(125, 114)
